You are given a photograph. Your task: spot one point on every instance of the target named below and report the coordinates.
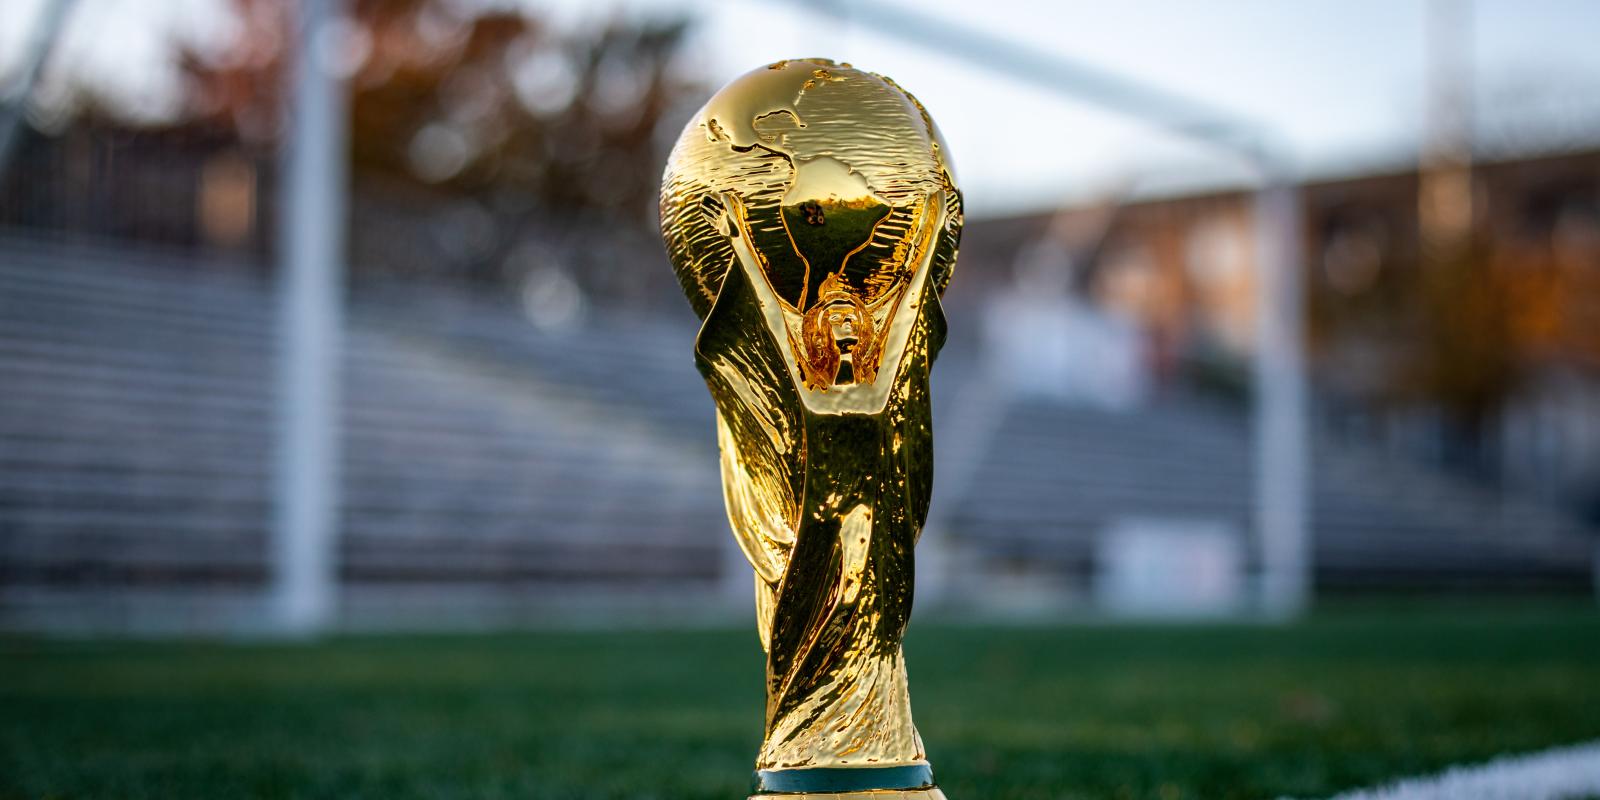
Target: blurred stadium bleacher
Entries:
(496, 473)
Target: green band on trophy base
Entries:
(848, 779)
(930, 793)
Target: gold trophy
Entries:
(812, 217)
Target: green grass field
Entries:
(1344, 700)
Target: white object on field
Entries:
(1170, 568)
(1560, 773)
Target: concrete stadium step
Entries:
(1089, 468)
(420, 465)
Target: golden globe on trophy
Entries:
(812, 216)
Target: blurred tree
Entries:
(1456, 326)
(1466, 360)
(483, 142)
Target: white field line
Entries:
(1559, 773)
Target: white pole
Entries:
(1279, 419)
(46, 34)
(311, 248)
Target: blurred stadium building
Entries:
(525, 439)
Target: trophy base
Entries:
(881, 794)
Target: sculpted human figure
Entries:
(813, 219)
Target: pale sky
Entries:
(1342, 82)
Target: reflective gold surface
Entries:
(813, 220)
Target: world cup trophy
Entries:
(812, 216)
